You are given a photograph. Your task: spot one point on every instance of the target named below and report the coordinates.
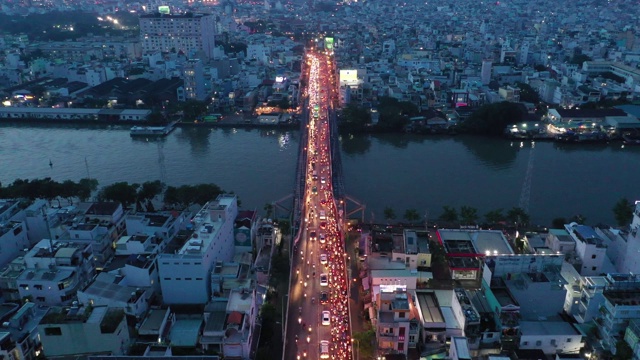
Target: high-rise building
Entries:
(193, 76)
(189, 33)
(485, 73)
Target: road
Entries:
(319, 283)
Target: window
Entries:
(568, 339)
(553, 342)
(539, 343)
(187, 278)
(38, 287)
(401, 346)
(593, 256)
(41, 299)
(593, 268)
(525, 343)
(490, 336)
(53, 331)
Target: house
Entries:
(110, 290)
(84, 329)
(550, 336)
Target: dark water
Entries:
(400, 171)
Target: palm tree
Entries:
(518, 216)
(494, 216)
(449, 214)
(389, 214)
(411, 215)
(468, 215)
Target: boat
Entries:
(151, 131)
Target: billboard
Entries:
(349, 77)
(328, 43)
(164, 9)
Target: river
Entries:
(395, 170)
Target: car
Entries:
(314, 190)
(323, 259)
(322, 239)
(326, 318)
(324, 349)
(323, 179)
(324, 297)
(323, 224)
(312, 235)
(324, 280)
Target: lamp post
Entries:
(358, 342)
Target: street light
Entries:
(358, 341)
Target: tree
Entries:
(493, 119)
(449, 214)
(623, 351)
(121, 192)
(623, 212)
(494, 216)
(364, 343)
(468, 215)
(558, 223)
(527, 93)
(150, 189)
(518, 216)
(86, 186)
(411, 215)
(578, 218)
(354, 119)
(268, 209)
(389, 214)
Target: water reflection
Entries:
(197, 137)
(355, 144)
(497, 153)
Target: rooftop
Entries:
(429, 309)
(532, 328)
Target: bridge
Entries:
(317, 322)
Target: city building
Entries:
(84, 329)
(193, 76)
(189, 33)
(55, 271)
(185, 265)
(552, 337)
(590, 248)
(413, 249)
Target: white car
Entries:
(324, 349)
(326, 318)
(324, 280)
(322, 238)
(323, 259)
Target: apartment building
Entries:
(394, 323)
(190, 33)
(185, 265)
(590, 248)
(55, 271)
(84, 329)
(412, 248)
(164, 225)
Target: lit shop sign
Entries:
(279, 79)
(328, 43)
(392, 288)
(164, 9)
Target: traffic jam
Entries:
(322, 254)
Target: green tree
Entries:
(193, 109)
(558, 223)
(494, 216)
(578, 218)
(85, 188)
(518, 216)
(493, 119)
(411, 215)
(285, 227)
(354, 119)
(121, 192)
(389, 214)
(449, 214)
(527, 93)
(623, 212)
(364, 344)
(623, 351)
(268, 209)
(149, 189)
(468, 215)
